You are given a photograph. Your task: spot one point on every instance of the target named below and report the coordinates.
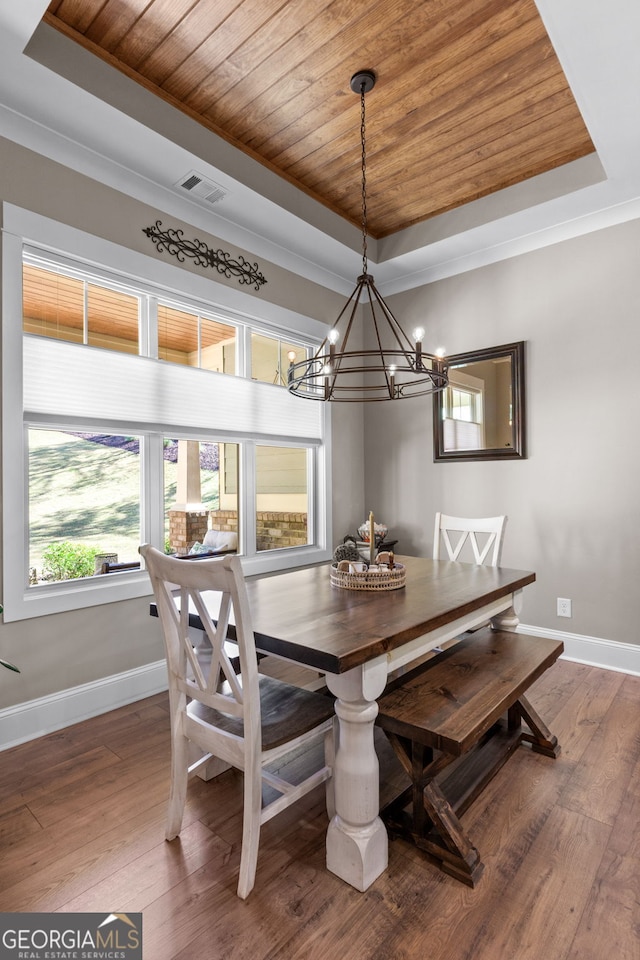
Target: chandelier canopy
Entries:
(396, 367)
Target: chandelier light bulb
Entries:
(333, 336)
(392, 380)
(418, 334)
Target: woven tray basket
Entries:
(370, 579)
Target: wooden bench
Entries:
(453, 722)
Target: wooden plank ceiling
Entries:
(470, 96)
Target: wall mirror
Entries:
(481, 414)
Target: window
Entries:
(282, 501)
(84, 501)
(462, 411)
(270, 358)
(118, 428)
(461, 404)
(194, 340)
(58, 305)
(200, 495)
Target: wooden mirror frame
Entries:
(517, 450)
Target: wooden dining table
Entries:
(356, 638)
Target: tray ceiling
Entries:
(470, 97)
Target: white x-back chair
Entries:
(485, 536)
(454, 532)
(245, 720)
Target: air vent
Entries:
(198, 186)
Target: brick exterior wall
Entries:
(273, 528)
(226, 520)
(187, 527)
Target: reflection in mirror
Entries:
(480, 415)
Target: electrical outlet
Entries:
(564, 607)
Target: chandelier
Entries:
(396, 367)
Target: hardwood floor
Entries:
(82, 825)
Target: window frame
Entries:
(472, 387)
(104, 260)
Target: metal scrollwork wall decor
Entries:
(173, 242)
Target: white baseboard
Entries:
(607, 654)
(35, 718)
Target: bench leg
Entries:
(432, 824)
(421, 756)
(458, 857)
(541, 740)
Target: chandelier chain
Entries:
(364, 177)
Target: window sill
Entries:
(40, 601)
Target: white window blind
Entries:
(66, 379)
(462, 435)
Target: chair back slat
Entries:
(221, 668)
(467, 529)
(188, 651)
(205, 673)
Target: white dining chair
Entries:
(454, 532)
(245, 720)
(484, 535)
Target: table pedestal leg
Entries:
(509, 619)
(357, 844)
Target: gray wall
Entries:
(64, 650)
(573, 505)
